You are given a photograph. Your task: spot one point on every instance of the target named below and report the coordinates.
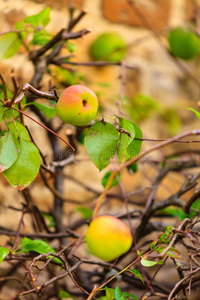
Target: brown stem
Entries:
(192, 199)
(4, 87)
(27, 87)
(22, 112)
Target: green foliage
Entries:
(133, 168)
(42, 18)
(172, 252)
(141, 107)
(65, 77)
(19, 131)
(19, 158)
(25, 168)
(47, 110)
(3, 253)
(172, 119)
(179, 212)
(50, 219)
(71, 47)
(184, 43)
(127, 134)
(65, 295)
(86, 212)
(110, 293)
(9, 44)
(101, 143)
(38, 246)
(148, 263)
(117, 294)
(41, 38)
(137, 273)
(102, 140)
(9, 149)
(196, 112)
(134, 147)
(105, 178)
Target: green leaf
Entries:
(50, 219)
(71, 47)
(118, 293)
(65, 295)
(127, 134)
(9, 149)
(25, 168)
(19, 131)
(131, 296)
(105, 178)
(134, 147)
(147, 263)
(141, 107)
(110, 293)
(47, 110)
(40, 38)
(132, 168)
(168, 229)
(101, 143)
(42, 17)
(86, 212)
(172, 252)
(38, 246)
(9, 44)
(153, 245)
(196, 112)
(19, 25)
(137, 273)
(3, 253)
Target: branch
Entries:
(22, 112)
(4, 87)
(192, 199)
(27, 87)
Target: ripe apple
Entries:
(108, 237)
(77, 105)
(108, 46)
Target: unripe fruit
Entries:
(109, 46)
(184, 43)
(77, 105)
(108, 237)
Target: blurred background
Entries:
(157, 86)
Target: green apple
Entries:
(109, 46)
(108, 237)
(184, 43)
(77, 105)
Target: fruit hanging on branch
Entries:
(77, 105)
(108, 237)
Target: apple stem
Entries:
(103, 195)
(20, 111)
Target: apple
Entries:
(108, 46)
(107, 237)
(184, 43)
(77, 105)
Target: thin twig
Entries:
(45, 127)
